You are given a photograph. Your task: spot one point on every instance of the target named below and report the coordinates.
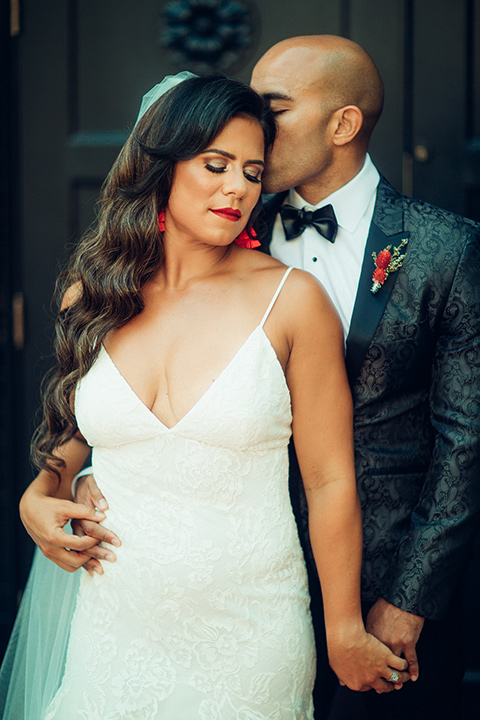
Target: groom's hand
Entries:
(45, 517)
(88, 493)
(398, 629)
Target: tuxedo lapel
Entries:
(386, 229)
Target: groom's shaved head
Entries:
(306, 79)
(343, 72)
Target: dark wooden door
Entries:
(74, 72)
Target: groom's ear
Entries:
(346, 124)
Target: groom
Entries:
(404, 277)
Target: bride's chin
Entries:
(220, 242)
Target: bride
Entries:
(185, 361)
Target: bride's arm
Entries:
(323, 436)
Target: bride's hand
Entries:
(89, 494)
(361, 662)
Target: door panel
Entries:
(379, 28)
(439, 101)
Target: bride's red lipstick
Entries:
(228, 214)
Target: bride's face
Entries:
(214, 193)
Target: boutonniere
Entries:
(386, 262)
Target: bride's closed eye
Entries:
(222, 168)
(215, 168)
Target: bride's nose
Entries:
(235, 183)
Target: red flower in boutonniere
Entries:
(385, 263)
(379, 276)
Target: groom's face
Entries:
(302, 150)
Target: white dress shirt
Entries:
(336, 265)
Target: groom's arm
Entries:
(431, 558)
(46, 507)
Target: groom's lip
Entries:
(227, 213)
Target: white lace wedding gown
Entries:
(205, 614)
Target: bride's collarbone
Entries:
(179, 349)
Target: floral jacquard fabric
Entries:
(205, 614)
(413, 358)
(417, 413)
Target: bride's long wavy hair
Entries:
(124, 248)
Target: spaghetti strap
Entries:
(277, 293)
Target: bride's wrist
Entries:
(346, 632)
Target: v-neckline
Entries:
(207, 391)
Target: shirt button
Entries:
(314, 259)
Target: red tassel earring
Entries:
(161, 221)
(247, 241)
(244, 239)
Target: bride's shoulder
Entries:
(301, 285)
(306, 289)
(258, 268)
(307, 303)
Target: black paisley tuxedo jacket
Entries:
(413, 361)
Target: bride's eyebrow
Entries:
(232, 157)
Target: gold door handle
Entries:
(18, 321)
(421, 153)
(14, 18)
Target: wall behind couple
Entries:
(74, 72)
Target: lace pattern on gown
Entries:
(205, 614)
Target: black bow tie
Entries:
(295, 221)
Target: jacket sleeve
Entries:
(430, 559)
